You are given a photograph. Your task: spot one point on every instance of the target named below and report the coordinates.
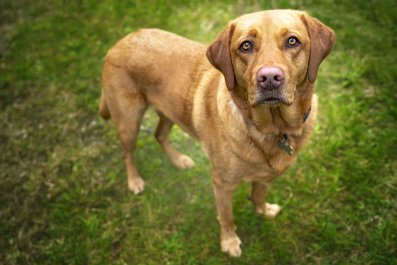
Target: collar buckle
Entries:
(284, 144)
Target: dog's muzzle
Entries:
(270, 81)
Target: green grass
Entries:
(63, 191)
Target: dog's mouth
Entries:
(269, 102)
(270, 98)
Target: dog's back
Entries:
(163, 66)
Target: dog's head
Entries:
(267, 56)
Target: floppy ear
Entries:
(322, 39)
(218, 53)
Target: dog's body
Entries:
(263, 94)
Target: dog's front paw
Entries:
(272, 210)
(183, 162)
(136, 185)
(232, 246)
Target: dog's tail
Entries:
(103, 108)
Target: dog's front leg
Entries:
(258, 197)
(230, 242)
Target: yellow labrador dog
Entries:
(248, 98)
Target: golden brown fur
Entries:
(214, 94)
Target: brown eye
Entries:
(292, 42)
(246, 46)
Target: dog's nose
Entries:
(270, 77)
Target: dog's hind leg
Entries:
(126, 105)
(162, 132)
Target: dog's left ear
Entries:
(322, 39)
(218, 53)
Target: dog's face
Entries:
(270, 54)
(267, 56)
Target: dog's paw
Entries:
(183, 162)
(232, 246)
(272, 210)
(136, 185)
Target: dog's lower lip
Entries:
(271, 102)
(271, 99)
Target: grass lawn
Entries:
(63, 189)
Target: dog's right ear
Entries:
(218, 53)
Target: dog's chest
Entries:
(265, 170)
(263, 160)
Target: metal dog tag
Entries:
(283, 144)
